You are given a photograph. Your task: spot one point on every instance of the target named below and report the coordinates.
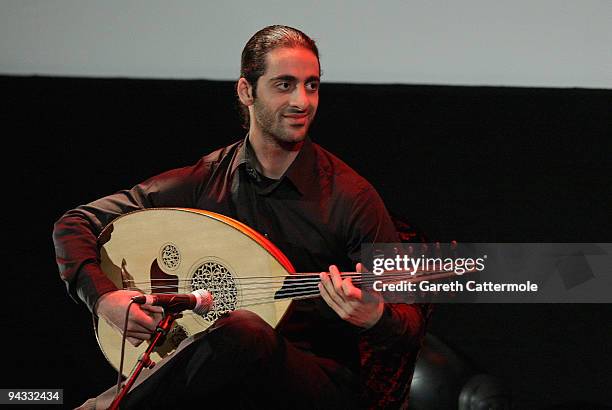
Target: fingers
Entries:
(156, 313)
(329, 294)
(331, 302)
(340, 294)
(137, 338)
(143, 321)
(349, 302)
(152, 309)
(340, 290)
(334, 274)
(350, 291)
(134, 341)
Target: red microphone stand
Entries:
(163, 327)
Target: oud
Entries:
(178, 250)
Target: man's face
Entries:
(287, 94)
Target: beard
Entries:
(276, 127)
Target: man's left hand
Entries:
(358, 307)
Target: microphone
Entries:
(200, 301)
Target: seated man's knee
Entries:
(248, 330)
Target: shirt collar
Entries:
(300, 173)
(303, 169)
(241, 156)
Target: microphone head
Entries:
(204, 301)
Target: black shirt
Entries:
(319, 213)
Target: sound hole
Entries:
(217, 279)
(170, 256)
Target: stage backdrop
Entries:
(472, 164)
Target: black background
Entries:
(473, 164)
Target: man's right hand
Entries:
(142, 320)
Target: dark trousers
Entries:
(241, 362)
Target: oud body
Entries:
(177, 250)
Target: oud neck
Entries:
(305, 285)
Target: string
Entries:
(289, 284)
(302, 277)
(305, 289)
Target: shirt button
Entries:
(251, 172)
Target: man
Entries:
(348, 349)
